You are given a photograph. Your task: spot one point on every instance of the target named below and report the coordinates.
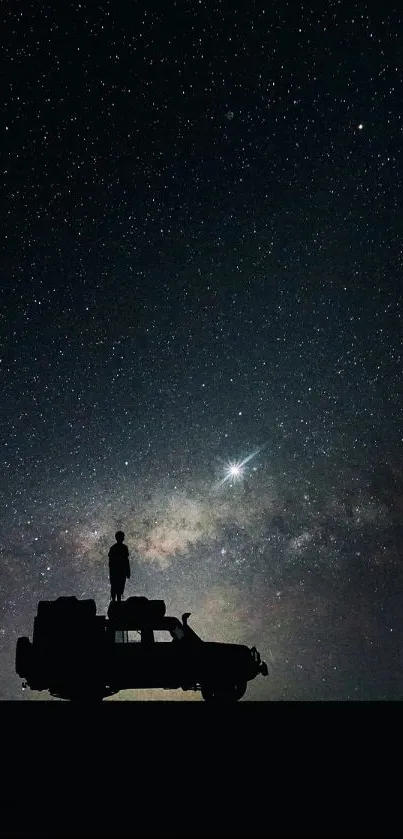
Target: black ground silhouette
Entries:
(196, 769)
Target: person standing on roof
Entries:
(119, 566)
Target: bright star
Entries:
(235, 471)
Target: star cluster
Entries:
(201, 325)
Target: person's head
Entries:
(119, 536)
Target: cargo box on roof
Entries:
(67, 607)
(136, 610)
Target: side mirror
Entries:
(185, 617)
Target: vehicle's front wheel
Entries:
(223, 693)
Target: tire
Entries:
(89, 693)
(91, 698)
(223, 693)
(85, 697)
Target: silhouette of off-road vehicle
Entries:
(79, 655)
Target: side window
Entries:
(125, 636)
(120, 636)
(162, 636)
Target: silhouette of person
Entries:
(119, 566)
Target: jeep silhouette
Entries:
(79, 655)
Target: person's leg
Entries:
(121, 588)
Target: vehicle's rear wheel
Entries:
(87, 696)
(90, 693)
(223, 693)
(81, 694)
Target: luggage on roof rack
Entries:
(141, 605)
(137, 610)
(65, 608)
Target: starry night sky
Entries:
(201, 259)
